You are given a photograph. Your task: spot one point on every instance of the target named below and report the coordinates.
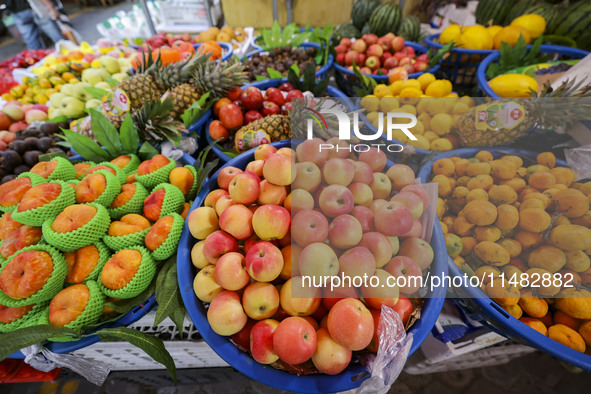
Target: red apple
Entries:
(373, 62)
(294, 340)
(264, 261)
(357, 262)
(379, 245)
(370, 38)
(418, 250)
(229, 271)
(261, 341)
(410, 51)
(419, 191)
(409, 68)
(242, 338)
(402, 266)
(423, 58)
(346, 41)
(390, 63)
(270, 108)
(365, 70)
(341, 49)
(330, 357)
(363, 172)
(308, 176)
(338, 171)
(420, 66)
(225, 314)
(385, 43)
(293, 94)
(251, 98)
(318, 260)
(226, 175)
(375, 50)
(244, 188)
(412, 201)
(308, 227)
(345, 232)
(359, 46)
(399, 55)
(274, 95)
(336, 200)
(236, 220)
(365, 217)
(310, 150)
(251, 116)
(350, 324)
(376, 158)
(271, 222)
(217, 244)
(397, 43)
(350, 58)
(404, 309)
(260, 300)
(286, 87)
(381, 289)
(393, 219)
(341, 58)
(331, 295)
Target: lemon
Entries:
(460, 108)
(535, 24)
(399, 135)
(469, 101)
(440, 106)
(374, 117)
(430, 136)
(409, 109)
(510, 35)
(411, 83)
(442, 144)
(389, 104)
(425, 79)
(441, 124)
(381, 90)
(475, 37)
(494, 29)
(370, 103)
(451, 33)
(513, 85)
(421, 142)
(453, 94)
(395, 87)
(425, 119)
(418, 129)
(438, 88)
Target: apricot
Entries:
(474, 169)
(514, 310)
(534, 219)
(121, 268)
(562, 318)
(570, 237)
(182, 178)
(159, 232)
(9, 315)
(121, 161)
(185, 212)
(564, 176)
(81, 263)
(128, 224)
(503, 169)
(39, 195)
(507, 217)
(533, 306)
(567, 336)
(502, 194)
(44, 168)
(445, 167)
(480, 182)
(82, 168)
(547, 257)
(477, 194)
(517, 184)
(461, 166)
(73, 217)
(154, 164)
(541, 180)
(572, 202)
(127, 193)
(461, 226)
(68, 304)
(492, 253)
(20, 238)
(468, 244)
(7, 225)
(487, 233)
(575, 303)
(26, 274)
(13, 191)
(153, 204)
(536, 324)
(484, 156)
(480, 213)
(512, 246)
(585, 331)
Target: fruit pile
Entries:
(225, 34)
(373, 16)
(436, 116)
(22, 60)
(15, 116)
(279, 59)
(75, 236)
(530, 223)
(378, 56)
(266, 228)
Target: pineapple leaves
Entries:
(85, 147)
(147, 151)
(129, 135)
(97, 93)
(105, 132)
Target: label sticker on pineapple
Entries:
(495, 116)
(116, 103)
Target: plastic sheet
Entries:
(579, 160)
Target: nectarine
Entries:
(82, 263)
(120, 269)
(26, 274)
(68, 304)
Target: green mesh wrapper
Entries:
(36, 217)
(126, 241)
(30, 319)
(74, 182)
(134, 205)
(193, 192)
(35, 180)
(173, 199)
(132, 166)
(91, 232)
(92, 164)
(64, 171)
(157, 177)
(118, 171)
(111, 190)
(104, 255)
(141, 280)
(171, 243)
(53, 285)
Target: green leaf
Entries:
(295, 69)
(274, 74)
(293, 77)
(153, 346)
(112, 81)
(129, 136)
(267, 40)
(367, 84)
(127, 304)
(13, 341)
(559, 40)
(203, 169)
(309, 77)
(260, 78)
(147, 151)
(53, 155)
(85, 147)
(64, 143)
(59, 119)
(533, 51)
(276, 33)
(97, 93)
(196, 109)
(435, 58)
(168, 295)
(320, 88)
(105, 132)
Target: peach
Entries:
(271, 222)
(345, 232)
(68, 304)
(81, 168)
(336, 200)
(237, 221)
(128, 224)
(381, 290)
(393, 219)
(362, 193)
(81, 263)
(318, 260)
(271, 194)
(309, 150)
(419, 191)
(294, 340)
(298, 200)
(213, 196)
(412, 202)
(8, 315)
(338, 171)
(13, 191)
(308, 176)
(261, 340)
(101, 167)
(260, 300)
(121, 161)
(230, 273)
(26, 274)
(341, 148)
(121, 268)
(244, 189)
(418, 250)
(331, 295)
(277, 170)
(298, 298)
(90, 188)
(223, 203)
(287, 152)
(309, 226)
(7, 225)
(202, 222)
(291, 255)
(153, 204)
(401, 175)
(158, 233)
(127, 192)
(182, 178)
(39, 195)
(264, 261)
(44, 168)
(350, 324)
(218, 243)
(375, 204)
(358, 261)
(155, 163)
(197, 257)
(205, 285)
(402, 266)
(256, 167)
(20, 238)
(263, 151)
(226, 175)
(379, 245)
(362, 172)
(131, 178)
(365, 217)
(225, 314)
(330, 357)
(380, 186)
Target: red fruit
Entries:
(373, 62)
(238, 103)
(286, 87)
(292, 94)
(346, 41)
(18, 126)
(234, 94)
(410, 51)
(390, 62)
(286, 108)
(274, 95)
(370, 38)
(4, 121)
(251, 116)
(385, 56)
(340, 48)
(251, 98)
(404, 309)
(231, 116)
(409, 68)
(219, 104)
(270, 108)
(423, 58)
(385, 43)
(400, 55)
(420, 66)
(365, 70)
(341, 58)
(218, 131)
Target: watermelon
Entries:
(547, 11)
(366, 29)
(410, 28)
(385, 19)
(493, 10)
(362, 10)
(576, 23)
(346, 29)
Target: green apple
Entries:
(109, 63)
(72, 107)
(119, 76)
(104, 73)
(54, 112)
(92, 76)
(67, 89)
(103, 85)
(93, 103)
(56, 99)
(80, 91)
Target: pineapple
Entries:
(154, 123)
(544, 109)
(141, 86)
(182, 96)
(218, 78)
(277, 127)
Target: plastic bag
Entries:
(579, 160)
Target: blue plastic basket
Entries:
(346, 79)
(227, 49)
(268, 375)
(268, 83)
(563, 53)
(481, 308)
(461, 65)
(130, 317)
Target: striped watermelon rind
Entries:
(545, 10)
(362, 10)
(385, 19)
(576, 23)
(493, 10)
(346, 29)
(410, 28)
